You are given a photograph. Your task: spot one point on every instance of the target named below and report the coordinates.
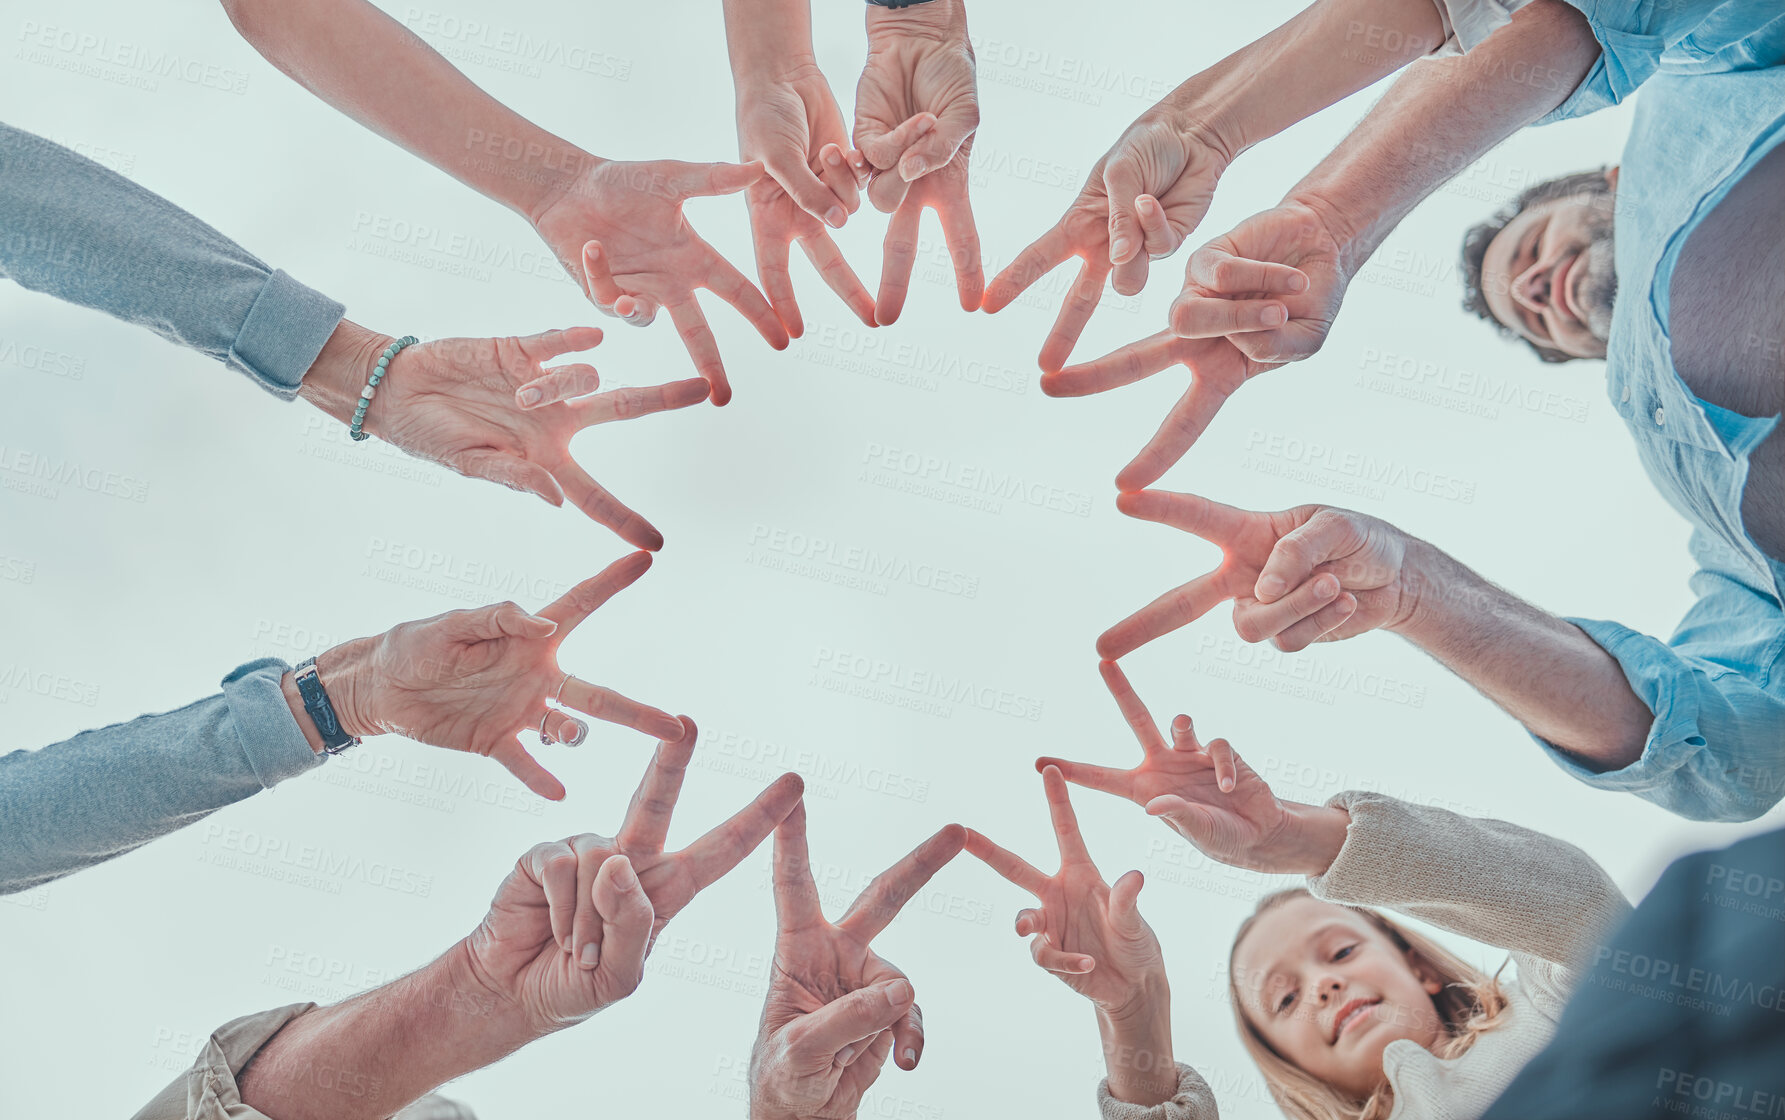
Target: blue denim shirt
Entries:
(85, 234)
(1641, 38)
(1717, 748)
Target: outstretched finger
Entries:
(559, 383)
(603, 508)
(646, 824)
(1218, 524)
(571, 608)
(697, 336)
(730, 285)
(1182, 427)
(961, 236)
(796, 895)
(712, 857)
(1059, 805)
(626, 404)
(610, 707)
(900, 251)
(515, 759)
(1045, 254)
(880, 903)
(1134, 711)
(777, 281)
(1171, 610)
(1075, 311)
(1106, 779)
(1007, 863)
(1123, 366)
(828, 260)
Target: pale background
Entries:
(261, 530)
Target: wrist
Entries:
(1316, 834)
(334, 380)
(1429, 580)
(1137, 1051)
(349, 676)
(764, 39)
(933, 19)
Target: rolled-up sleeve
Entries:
(1716, 748)
(109, 791)
(87, 235)
(1194, 1100)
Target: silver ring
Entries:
(543, 736)
(558, 696)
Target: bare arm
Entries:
(1544, 671)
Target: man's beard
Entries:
(1598, 285)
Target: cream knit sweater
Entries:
(1544, 900)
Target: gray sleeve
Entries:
(1194, 1100)
(87, 235)
(1485, 879)
(106, 792)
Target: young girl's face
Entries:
(1328, 990)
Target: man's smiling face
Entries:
(1548, 276)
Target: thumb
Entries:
(858, 1016)
(1124, 899)
(688, 180)
(499, 620)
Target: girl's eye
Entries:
(1283, 1003)
(1344, 951)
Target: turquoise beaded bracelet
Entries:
(371, 389)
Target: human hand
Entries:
(1146, 194)
(571, 926)
(1271, 286)
(835, 1008)
(618, 229)
(471, 680)
(1298, 576)
(1087, 933)
(489, 408)
(1217, 370)
(945, 192)
(789, 121)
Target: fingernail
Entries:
(1325, 589)
(531, 397)
(898, 992)
(574, 735)
(845, 1054)
(1119, 247)
(1271, 586)
(1298, 283)
(624, 877)
(834, 217)
(1086, 964)
(910, 1056)
(833, 158)
(1226, 785)
(590, 955)
(1275, 316)
(913, 168)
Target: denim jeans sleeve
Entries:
(87, 235)
(106, 792)
(1716, 748)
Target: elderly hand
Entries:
(835, 1008)
(473, 680)
(1142, 199)
(1296, 577)
(1209, 796)
(489, 408)
(618, 229)
(571, 926)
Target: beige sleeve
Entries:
(1468, 22)
(208, 1091)
(1194, 1100)
(1488, 880)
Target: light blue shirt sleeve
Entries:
(1638, 38)
(85, 234)
(1716, 749)
(109, 791)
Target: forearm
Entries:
(1442, 116)
(368, 1057)
(1329, 51)
(765, 36)
(1137, 1045)
(106, 792)
(1545, 672)
(84, 234)
(376, 71)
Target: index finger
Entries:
(1123, 366)
(646, 824)
(697, 336)
(879, 904)
(1007, 863)
(1059, 807)
(583, 600)
(1140, 721)
(1171, 610)
(609, 706)
(1043, 255)
(712, 857)
(1182, 427)
(602, 507)
(625, 404)
(1075, 311)
(1213, 522)
(796, 895)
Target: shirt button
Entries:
(1660, 416)
(1626, 397)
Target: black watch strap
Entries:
(895, 3)
(322, 713)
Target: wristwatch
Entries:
(322, 713)
(895, 3)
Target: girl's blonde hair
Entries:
(1469, 1003)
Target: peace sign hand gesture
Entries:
(835, 1008)
(571, 926)
(1209, 796)
(1298, 576)
(473, 680)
